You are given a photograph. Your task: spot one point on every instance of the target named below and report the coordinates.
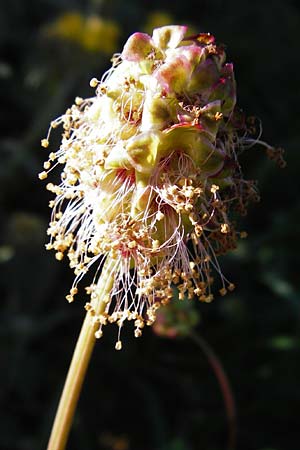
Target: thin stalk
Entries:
(79, 364)
(224, 386)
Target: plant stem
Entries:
(224, 386)
(79, 364)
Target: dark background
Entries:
(158, 393)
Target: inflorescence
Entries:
(151, 179)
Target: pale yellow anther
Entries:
(132, 244)
(98, 334)
(118, 345)
(159, 216)
(52, 156)
(139, 323)
(94, 82)
(231, 287)
(45, 143)
(189, 193)
(59, 256)
(188, 207)
(214, 188)
(198, 230)
(218, 116)
(78, 101)
(43, 175)
(47, 165)
(103, 320)
(137, 332)
(224, 228)
(54, 124)
(198, 291)
(106, 298)
(155, 244)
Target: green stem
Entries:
(79, 364)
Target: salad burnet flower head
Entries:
(151, 183)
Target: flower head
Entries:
(151, 175)
(91, 33)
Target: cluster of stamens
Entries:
(150, 177)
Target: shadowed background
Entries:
(159, 393)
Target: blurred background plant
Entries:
(158, 393)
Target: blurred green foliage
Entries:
(158, 393)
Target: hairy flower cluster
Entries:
(151, 176)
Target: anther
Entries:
(224, 228)
(78, 101)
(45, 143)
(94, 82)
(223, 291)
(231, 287)
(59, 256)
(218, 116)
(137, 332)
(118, 345)
(43, 175)
(159, 216)
(214, 188)
(47, 165)
(132, 244)
(98, 334)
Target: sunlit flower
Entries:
(92, 33)
(100, 35)
(67, 26)
(151, 176)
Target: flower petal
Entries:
(142, 151)
(137, 47)
(168, 36)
